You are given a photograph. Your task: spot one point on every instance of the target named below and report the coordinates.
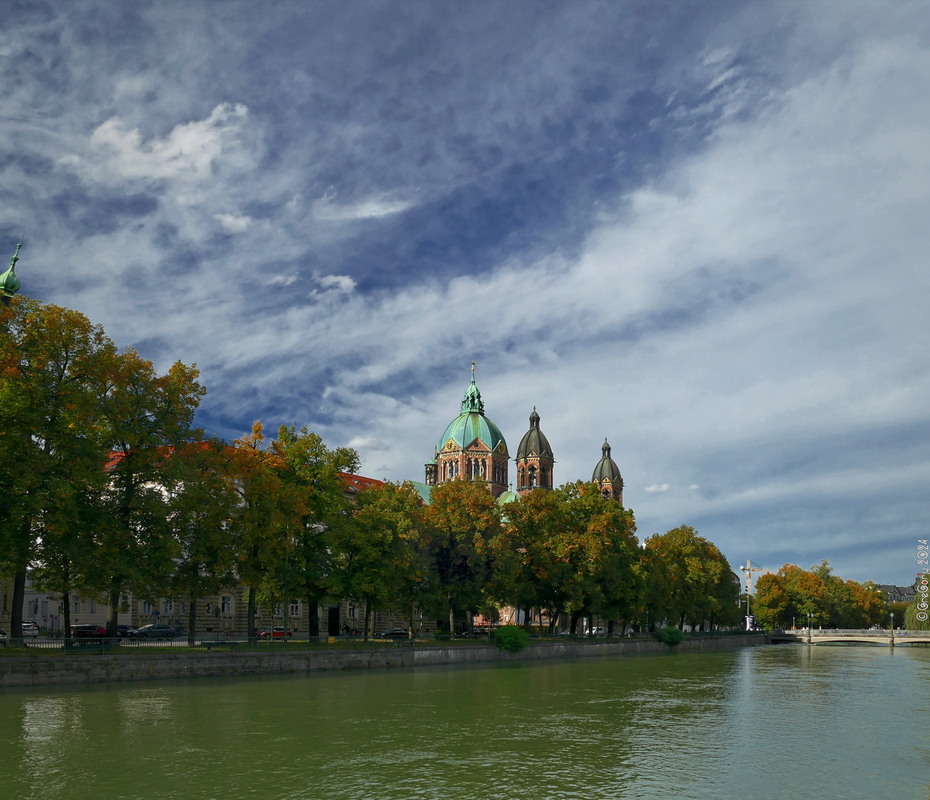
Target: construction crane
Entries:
(747, 570)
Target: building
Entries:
(472, 446)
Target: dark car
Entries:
(394, 633)
(154, 631)
(3, 637)
(124, 630)
(278, 632)
(88, 631)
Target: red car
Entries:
(275, 633)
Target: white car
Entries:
(30, 630)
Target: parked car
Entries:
(278, 632)
(394, 633)
(88, 631)
(30, 630)
(155, 630)
(3, 637)
(124, 630)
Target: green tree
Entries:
(200, 507)
(312, 473)
(462, 520)
(145, 416)
(267, 516)
(53, 373)
(691, 581)
(379, 554)
(532, 567)
(604, 550)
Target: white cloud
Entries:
(232, 223)
(375, 207)
(657, 487)
(283, 280)
(340, 284)
(188, 151)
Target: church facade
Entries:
(472, 446)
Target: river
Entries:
(785, 721)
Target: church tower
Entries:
(607, 475)
(534, 459)
(472, 446)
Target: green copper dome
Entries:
(510, 496)
(471, 423)
(9, 283)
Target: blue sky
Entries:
(698, 229)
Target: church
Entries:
(472, 446)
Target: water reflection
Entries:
(755, 723)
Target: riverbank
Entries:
(97, 668)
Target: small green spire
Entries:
(472, 402)
(9, 283)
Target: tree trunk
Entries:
(66, 613)
(313, 617)
(16, 612)
(112, 611)
(250, 622)
(191, 619)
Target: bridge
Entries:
(891, 638)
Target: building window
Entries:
(93, 606)
(76, 608)
(168, 606)
(295, 610)
(226, 605)
(146, 607)
(351, 611)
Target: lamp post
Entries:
(810, 625)
(891, 643)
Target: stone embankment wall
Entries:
(95, 668)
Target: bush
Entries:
(670, 635)
(511, 638)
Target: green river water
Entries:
(763, 722)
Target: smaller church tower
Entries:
(607, 475)
(534, 459)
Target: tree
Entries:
(531, 567)
(266, 518)
(606, 582)
(818, 597)
(311, 471)
(201, 504)
(378, 553)
(145, 417)
(690, 579)
(462, 520)
(54, 366)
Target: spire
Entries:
(534, 419)
(472, 402)
(605, 449)
(9, 283)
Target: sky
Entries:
(698, 230)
